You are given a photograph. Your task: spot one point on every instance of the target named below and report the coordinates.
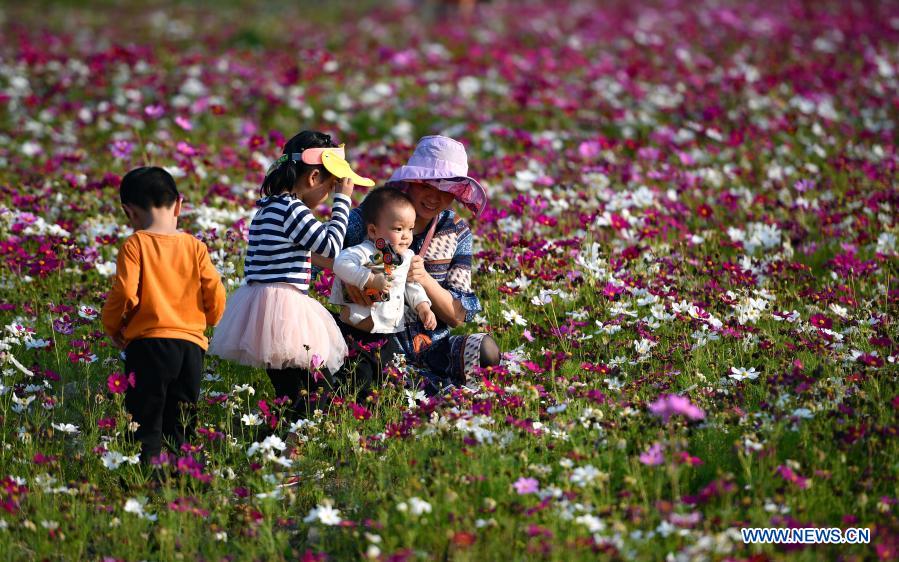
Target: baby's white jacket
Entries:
(387, 317)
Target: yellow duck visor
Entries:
(334, 160)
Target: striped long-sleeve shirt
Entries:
(284, 234)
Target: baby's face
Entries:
(394, 225)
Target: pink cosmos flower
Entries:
(184, 123)
(526, 486)
(804, 185)
(154, 111)
(589, 149)
(654, 456)
(669, 405)
(121, 149)
(789, 475)
(685, 519)
(185, 149)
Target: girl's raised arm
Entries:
(307, 232)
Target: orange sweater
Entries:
(165, 287)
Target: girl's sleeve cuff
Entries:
(342, 198)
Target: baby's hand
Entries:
(426, 315)
(378, 281)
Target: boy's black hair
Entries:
(378, 198)
(284, 177)
(148, 187)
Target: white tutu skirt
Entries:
(275, 326)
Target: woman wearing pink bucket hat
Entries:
(435, 175)
(441, 162)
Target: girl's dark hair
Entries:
(284, 177)
(379, 198)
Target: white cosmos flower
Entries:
(593, 523)
(643, 346)
(268, 446)
(275, 494)
(790, 317)
(21, 404)
(545, 297)
(838, 310)
(739, 373)
(413, 398)
(520, 282)
(65, 427)
(243, 388)
(87, 312)
(112, 459)
(251, 419)
(557, 409)
(511, 316)
(324, 514)
(137, 506)
(803, 413)
(418, 506)
(584, 475)
(613, 383)
(415, 507)
(300, 424)
(106, 268)
(886, 243)
(703, 337)
(590, 259)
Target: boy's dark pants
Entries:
(365, 370)
(167, 374)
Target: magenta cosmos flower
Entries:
(821, 321)
(118, 383)
(669, 405)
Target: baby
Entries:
(379, 266)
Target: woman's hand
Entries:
(344, 186)
(417, 273)
(357, 295)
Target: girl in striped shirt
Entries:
(270, 321)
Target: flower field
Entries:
(689, 261)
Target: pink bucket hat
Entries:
(442, 162)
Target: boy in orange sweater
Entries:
(166, 292)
